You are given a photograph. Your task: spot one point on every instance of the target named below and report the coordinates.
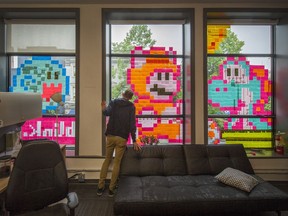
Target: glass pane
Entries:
(251, 132)
(244, 39)
(156, 83)
(119, 70)
(41, 38)
(53, 77)
(239, 86)
(61, 129)
(167, 130)
(126, 37)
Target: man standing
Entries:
(121, 123)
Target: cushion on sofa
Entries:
(212, 159)
(237, 178)
(223, 156)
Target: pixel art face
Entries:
(155, 82)
(162, 84)
(240, 88)
(155, 78)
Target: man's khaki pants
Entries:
(119, 144)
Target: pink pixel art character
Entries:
(240, 89)
(155, 82)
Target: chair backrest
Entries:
(38, 179)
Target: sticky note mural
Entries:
(46, 127)
(47, 75)
(156, 82)
(215, 35)
(240, 89)
(44, 75)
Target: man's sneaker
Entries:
(100, 191)
(111, 193)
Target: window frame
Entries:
(48, 14)
(250, 16)
(149, 15)
(256, 55)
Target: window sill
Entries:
(264, 153)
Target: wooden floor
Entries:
(92, 205)
(89, 203)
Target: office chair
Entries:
(39, 179)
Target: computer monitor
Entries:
(19, 107)
(15, 109)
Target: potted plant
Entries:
(280, 143)
(149, 140)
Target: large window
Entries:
(155, 80)
(48, 75)
(149, 58)
(42, 59)
(240, 77)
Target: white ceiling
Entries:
(134, 1)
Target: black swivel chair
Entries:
(39, 179)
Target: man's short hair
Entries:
(128, 94)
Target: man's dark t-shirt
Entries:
(121, 114)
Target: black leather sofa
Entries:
(180, 180)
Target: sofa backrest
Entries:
(194, 159)
(162, 160)
(212, 159)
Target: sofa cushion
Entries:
(192, 195)
(237, 179)
(212, 159)
(153, 182)
(197, 160)
(154, 160)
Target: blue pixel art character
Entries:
(44, 75)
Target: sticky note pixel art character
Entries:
(213, 132)
(44, 75)
(155, 82)
(215, 35)
(241, 89)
